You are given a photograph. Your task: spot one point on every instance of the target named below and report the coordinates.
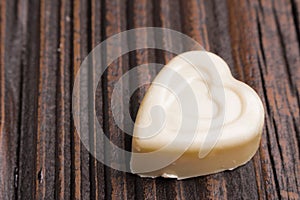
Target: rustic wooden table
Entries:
(42, 46)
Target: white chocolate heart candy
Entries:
(195, 119)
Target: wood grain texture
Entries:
(63, 139)
(97, 169)
(42, 44)
(80, 155)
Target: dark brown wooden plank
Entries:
(64, 84)
(97, 169)
(282, 96)
(3, 148)
(2, 92)
(9, 100)
(27, 176)
(76, 171)
(80, 156)
(46, 132)
(118, 184)
(13, 44)
(193, 21)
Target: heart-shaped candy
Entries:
(195, 119)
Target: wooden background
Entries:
(42, 46)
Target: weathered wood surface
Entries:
(42, 44)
